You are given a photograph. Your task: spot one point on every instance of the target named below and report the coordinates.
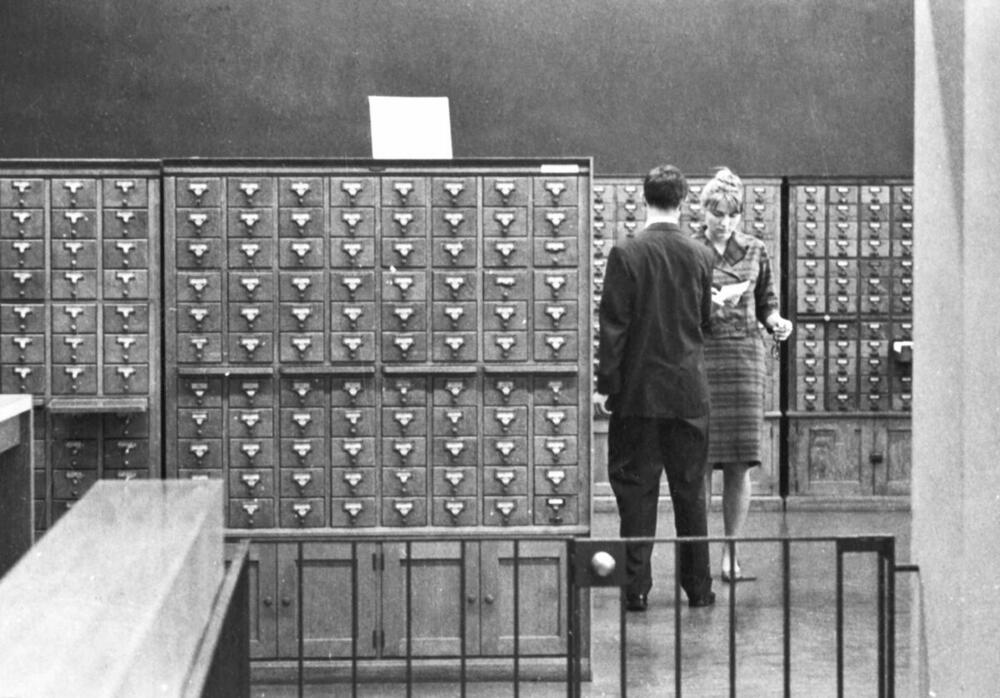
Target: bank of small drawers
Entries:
(79, 320)
(366, 350)
(852, 244)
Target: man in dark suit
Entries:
(654, 312)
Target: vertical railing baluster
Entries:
(623, 646)
(409, 620)
(882, 674)
(299, 616)
(731, 544)
(354, 619)
(517, 617)
(677, 619)
(786, 596)
(840, 620)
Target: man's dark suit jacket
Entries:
(654, 313)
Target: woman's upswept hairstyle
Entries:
(723, 194)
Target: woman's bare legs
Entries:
(735, 506)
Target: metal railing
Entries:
(597, 563)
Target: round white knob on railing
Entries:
(603, 564)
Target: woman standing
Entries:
(743, 296)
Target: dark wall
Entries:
(777, 87)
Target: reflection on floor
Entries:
(705, 632)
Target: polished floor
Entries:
(758, 621)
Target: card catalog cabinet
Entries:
(80, 319)
(381, 347)
(850, 384)
(618, 214)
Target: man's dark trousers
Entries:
(639, 449)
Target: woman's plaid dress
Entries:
(735, 353)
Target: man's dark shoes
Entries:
(636, 602)
(706, 599)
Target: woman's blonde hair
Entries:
(723, 194)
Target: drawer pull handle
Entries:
(353, 389)
(454, 190)
(21, 217)
(300, 189)
(505, 388)
(21, 185)
(505, 188)
(403, 283)
(404, 477)
(352, 189)
(250, 480)
(555, 189)
(454, 220)
(352, 344)
(455, 509)
(403, 314)
(454, 478)
(301, 480)
(302, 345)
(301, 249)
(198, 189)
(403, 509)
(250, 344)
(506, 508)
(301, 220)
(556, 477)
(455, 344)
(250, 251)
(404, 344)
(555, 343)
(71, 246)
(505, 448)
(250, 315)
(555, 219)
(353, 509)
(454, 388)
(505, 249)
(301, 315)
(403, 448)
(555, 418)
(556, 448)
(199, 285)
(250, 283)
(403, 220)
(250, 419)
(250, 450)
(455, 283)
(403, 189)
(302, 420)
(403, 419)
(199, 451)
(505, 477)
(404, 250)
(249, 189)
(555, 282)
(505, 419)
(505, 219)
(300, 284)
(556, 312)
(302, 511)
(352, 220)
(454, 448)
(556, 504)
(505, 313)
(353, 479)
(302, 449)
(454, 249)
(198, 220)
(353, 448)
(506, 343)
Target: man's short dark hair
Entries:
(664, 187)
